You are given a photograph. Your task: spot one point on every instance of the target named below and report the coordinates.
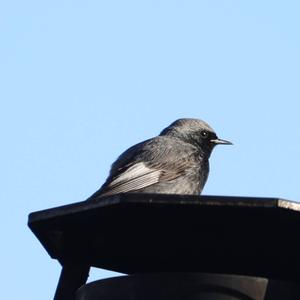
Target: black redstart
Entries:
(175, 162)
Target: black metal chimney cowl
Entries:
(175, 247)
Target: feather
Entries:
(136, 177)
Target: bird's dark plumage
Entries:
(175, 162)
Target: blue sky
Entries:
(81, 81)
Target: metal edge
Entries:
(287, 204)
(159, 199)
(73, 208)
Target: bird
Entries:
(174, 162)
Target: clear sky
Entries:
(81, 81)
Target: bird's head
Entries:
(196, 132)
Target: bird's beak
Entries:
(221, 142)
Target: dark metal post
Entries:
(72, 277)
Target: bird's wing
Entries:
(139, 176)
(141, 166)
(136, 177)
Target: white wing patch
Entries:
(135, 177)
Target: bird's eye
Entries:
(204, 134)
